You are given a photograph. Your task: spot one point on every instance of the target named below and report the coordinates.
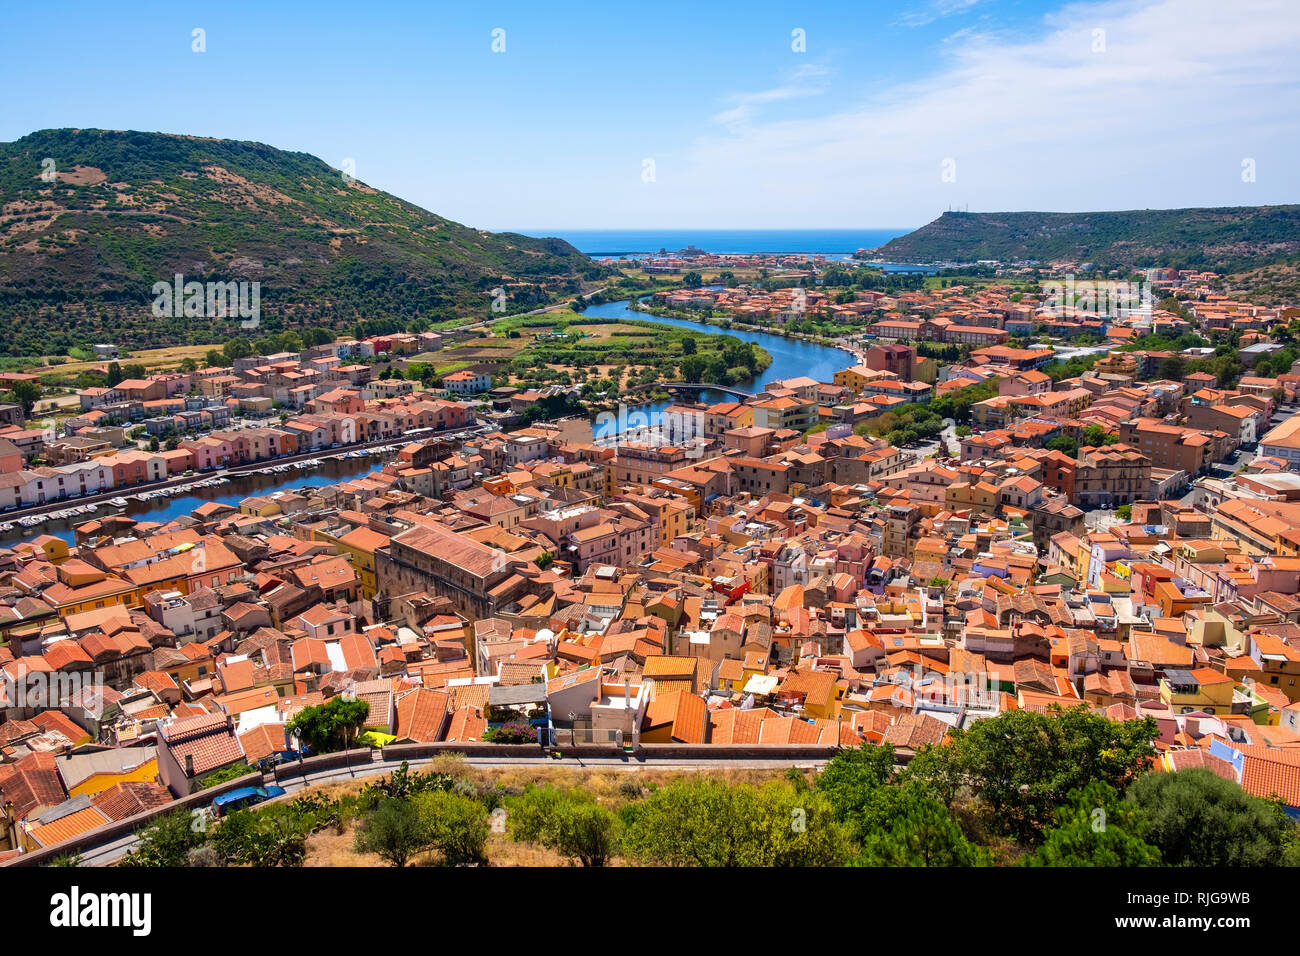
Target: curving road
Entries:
(109, 852)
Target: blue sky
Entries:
(1023, 104)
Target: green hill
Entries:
(79, 255)
(1224, 240)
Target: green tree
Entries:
(1096, 827)
(1095, 435)
(709, 823)
(167, 842)
(1172, 367)
(1064, 444)
(236, 348)
(907, 827)
(852, 776)
(688, 345)
(311, 337)
(327, 727)
(692, 368)
(271, 836)
(1198, 818)
(404, 783)
(457, 825)
(25, 393)
(1022, 765)
(569, 823)
(396, 830)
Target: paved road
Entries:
(948, 438)
(1281, 414)
(1066, 352)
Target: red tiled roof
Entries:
(208, 740)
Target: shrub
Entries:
(457, 825)
(570, 823)
(515, 732)
(708, 823)
(395, 830)
(1197, 818)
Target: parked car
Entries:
(243, 798)
(281, 756)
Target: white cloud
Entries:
(807, 80)
(1184, 90)
(934, 10)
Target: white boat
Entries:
(117, 502)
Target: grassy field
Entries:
(601, 332)
(152, 359)
(515, 346)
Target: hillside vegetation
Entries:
(1228, 239)
(84, 238)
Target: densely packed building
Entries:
(776, 573)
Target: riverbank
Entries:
(241, 482)
(726, 323)
(790, 357)
(620, 352)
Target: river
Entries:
(790, 358)
(163, 509)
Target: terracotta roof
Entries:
(1272, 772)
(130, 797)
(207, 740)
(421, 715)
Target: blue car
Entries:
(243, 798)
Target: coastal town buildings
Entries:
(785, 568)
